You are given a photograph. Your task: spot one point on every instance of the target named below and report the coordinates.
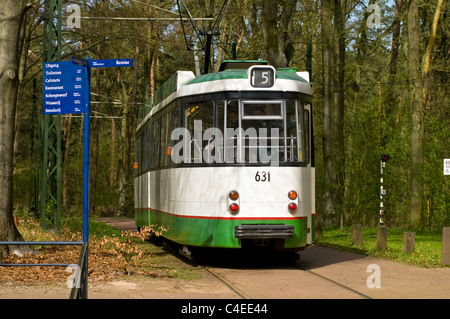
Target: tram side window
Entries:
(307, 131)
(163, 143)
(202, 114)
(137, 155)
(174, 123)
(155, 145)
(230, 134)
(293, 130)
(144, 159)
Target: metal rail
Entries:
(244, 295)
(334, 282)
(79, 290)
(239, 292)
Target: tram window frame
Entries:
(307, 111)
(137, 154)
(166, 155)
(262, 103)
(302, 132)
(144, 164)
(162, 140)
(277, 119)
(197, 147)
(156, 138)
(174, 124)
(290, 156)
(237, 124)
(218, 113)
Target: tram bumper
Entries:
(264, 231)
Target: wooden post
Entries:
(357, 234)
(409, 242)
(381, 237)
(445, 246)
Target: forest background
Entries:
(379, 77)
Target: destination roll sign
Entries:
(64, 88)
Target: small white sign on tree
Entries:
(447, 166)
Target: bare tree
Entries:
(11, 16)
(417, 107)
(276, 20)
(332, 135)
(419, 81)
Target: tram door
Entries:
(309, 140)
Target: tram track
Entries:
(227, 283)
(243, 294)
(333, 282)
(178, 251)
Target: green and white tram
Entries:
(225, 160)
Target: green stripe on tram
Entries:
(196, 231)
(206, 232)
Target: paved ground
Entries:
(374, 277)
(125, 224)
(394, 280)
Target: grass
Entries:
(427, 253)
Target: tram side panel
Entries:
(141, 200)
(192, 203)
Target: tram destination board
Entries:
(64, 88)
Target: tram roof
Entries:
(232, 77)
(234, 74)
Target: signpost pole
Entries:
(86, 141)
(384, 159)
(67, 89)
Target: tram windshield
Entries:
(247, 131)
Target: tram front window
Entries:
(245, 132)
(262, 132)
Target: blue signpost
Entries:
(64, 87)
(110, 63)
(67, 90)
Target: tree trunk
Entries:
(121, 178)
(390, 96)
(113, 167)
(427, 58)
(395, 44)
(338, 116)
(130, 138)
(279, 48)
(417, 107)
(328, 65)
(127, 137)
(95, 142)
(11, 15)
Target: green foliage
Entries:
(427, 252)
(377, 116)
(96, 229)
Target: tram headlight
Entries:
(233, 195)
(292, 207)
(293, 201)
(292, 195)
(233, 202)
(234, 208)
